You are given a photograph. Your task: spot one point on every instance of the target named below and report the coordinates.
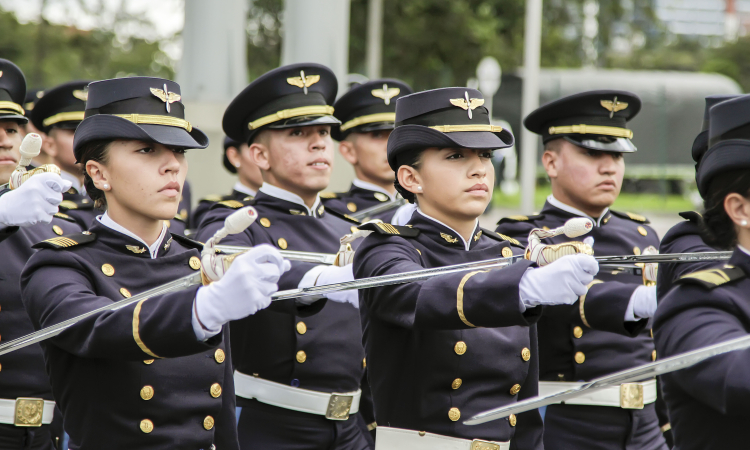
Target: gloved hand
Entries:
(642, 303)
(35, 201)
(558, 283)
(245, 289)
(333, 274)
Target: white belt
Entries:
(627, 395)
(388, 438)
(334, 406)
(26, 412)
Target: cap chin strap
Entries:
(459, 128)
(592, 129)
(153, 119)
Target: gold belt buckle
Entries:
(478, 444)
(631, 396)
(339, 406)
(29, 412)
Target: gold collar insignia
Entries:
(135, 249)
(613, 106)
(478, 235)
(296, 212)
(466, 103)
(166, 96)
(381, 197)
(303, 81)
(169, 242)
(450, 239)
(386, 93)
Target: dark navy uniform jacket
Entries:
(356, 199)
(708, 403)
(23, 373)
(442, 350)
(80, 207)
(321, 352)
(206, 203)
(571, 349)
(136, 377)
(684, 237)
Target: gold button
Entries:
(147, 426)
(219, 356)
(454, 414)
(460, 347)
(515, 389)
(507, 252)
(512, 419)
(301, 356)
(108, 270)
(301, 328)
(282, 243)
(636, 251)
(526, 354)
(457, 383)
(364, 362)
(57, 230)
(351, 206)
(422, 433)
(382, 197)
(195, 263)
(265, 222)
(208, 422)
(125, 293)
(147, 392)
(653, 355)
(215, 390)
(148, 361)
(577, 332)
(580, 357)
(642, 231)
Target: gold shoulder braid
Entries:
(67, 241)
(713, 278)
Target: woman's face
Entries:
(455, 182)
(145, 178)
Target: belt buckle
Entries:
(478, 444)
(339, 406)
(28, 412)
(631, 396)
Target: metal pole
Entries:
(374, 38)
(532, 50)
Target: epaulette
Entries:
(328, 195)
(65, 217)
(713, 278)
(67, 241)
(234, 204)
(70, 204)
(179, 218)
(187, 242)
(514, 219)
(212, 199)
(632, 216)
(692, 216)
(343, 216)
(501, 237)
(390, 230)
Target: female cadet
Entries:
(452, 346)
(155, 374)
(708, 403)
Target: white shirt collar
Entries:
(239, 187)
(372, 187)
(747, 252)
(76, 182)
(283, 194)
(467, 244)
(560, 205)
(107, 221)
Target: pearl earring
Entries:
(743, 223)
(106, 186)
(237, 165)
(419, 188)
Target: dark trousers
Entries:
(263, 427)
(32, 438)
(576, 427)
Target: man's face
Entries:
(59, 145)
(10, 144)
(369, 154)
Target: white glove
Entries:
(333, 274)
(245, 289)
(642, 304)
(35, 201)
(558, 283)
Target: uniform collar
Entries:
(740, 258)
(372, 187)
(74, 180)
(576, 212)
(239, 187)
(107, 221)
(448, 235)
(283, 194)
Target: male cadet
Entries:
(297, 378)
(26, 217)
(238, 160)
(57, 114)
(367, 114)
(585, 136)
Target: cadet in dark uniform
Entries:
(151, 375)
(26, 217)
(708, 402)
(297, 377)
(585, 136)
(444, 349)
(236, 160)
(367, 114)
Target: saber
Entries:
(377, 209)
(311, 257)
(666, 258)
(30, 148)
(667, 365)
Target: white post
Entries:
(374, 38)
(532, 50)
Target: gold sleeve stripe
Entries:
(12, 107)
(289, 113)
(460, 297)
(136, 333)
(582, 300)
(63, 117)
(370, 118)
(593, 129)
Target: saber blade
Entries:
(377, 209)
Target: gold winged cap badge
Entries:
(303, 81)
(613, 106)
(467, 104)
(386, 93)
(166, 96)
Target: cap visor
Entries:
(619, 145)
(16, 117)
(304, 121)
